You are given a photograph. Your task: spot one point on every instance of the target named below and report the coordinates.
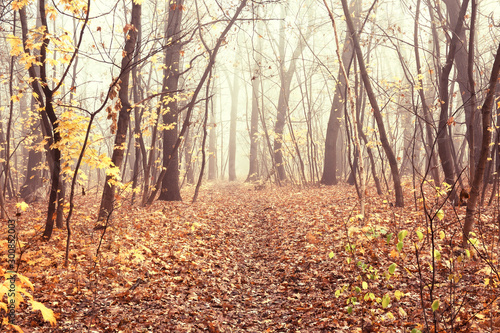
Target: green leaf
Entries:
(440, 214)
(349, 309)
(420, 235)
(435, 305)
(399, 246)
(389, 237)
(392, 268)
(467, 253)
(416, 331)
(402, 234)
(437, 254)
(357, 289)
(331, 255)
(386, 300)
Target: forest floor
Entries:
(244, 259)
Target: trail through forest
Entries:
(243, 260)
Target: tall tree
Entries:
(443, 138)
(170, 186)
(108, 194)
(376, 110)
(286, 76)
(253, 171)
(45, 91)
(192, 103)
(329, 176)
(485, 147)
(232, 128)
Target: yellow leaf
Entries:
(48, 314)
(15, 44)
(138, 2)
(394, 254)
(22, 205)
(19, 4)
(25, 281)
(17, 328)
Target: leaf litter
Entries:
(242, 259)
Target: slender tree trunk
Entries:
(212, 140)
(33, 179)
(443, 138)
(108, 195)
(253, 172)
(485, 147)
(232, 129)
(429, 122)
(170, 186)
(465, 80)
(376, 110)
(329, 176)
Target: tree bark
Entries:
(464, 63)
(170, 186)
(443, 138)
(108, 194)
(485, 147)
(232, 129)
(329, 176)
(429, 122)
(376, 110)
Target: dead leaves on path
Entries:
(280, 259)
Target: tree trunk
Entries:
(170, 186)
(376, 110)
(213, 55)
(464, 60)
(108, 194)
(232, 129)
(485, 147)
(212, 141)
(443, 138)
(429, 122)
(253, 172)
(329, 176)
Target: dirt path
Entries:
(239, 260)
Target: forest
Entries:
(250, 166)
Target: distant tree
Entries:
(232, 128)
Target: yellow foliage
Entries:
(48, 314)
(19, 4)
(16, 45)
(22, 206)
